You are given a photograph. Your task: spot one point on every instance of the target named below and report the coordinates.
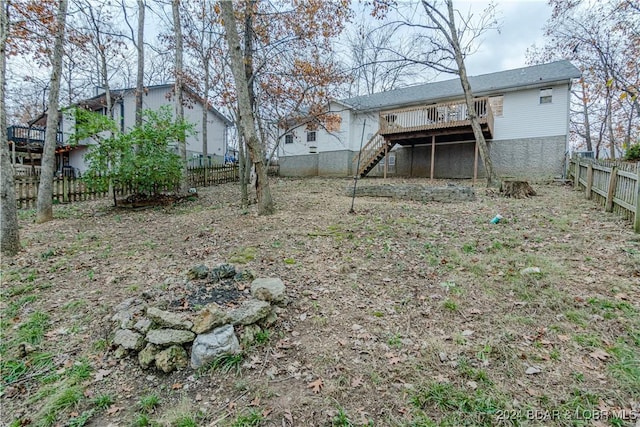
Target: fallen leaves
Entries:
(599, 354)
(316, 386)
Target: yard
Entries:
(402, 314)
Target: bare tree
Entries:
(247, 117)
(44, 204)
(444, 24)
(9, 234)
(179, 84)
(373, 52)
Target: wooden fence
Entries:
(615, 185)
(70, 189)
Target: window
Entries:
(288, 139)
(311, 136)
(545, 95)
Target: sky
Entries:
(522, 23)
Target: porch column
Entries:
(475, 164)
(433, 155)
(13, 149)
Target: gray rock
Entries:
(270, 320)
(208, 346)
(166, 337)
(143, 325)
(167, 319)
(248, 336)
(271, 289)
(120, 352)
(172, 358)
(128, 339)
(148, 355)
(223, 271)
(198, 272)
(127, 311)
(210, 317)
(249, 312)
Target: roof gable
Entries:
(502, 81)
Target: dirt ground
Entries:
(402, 314)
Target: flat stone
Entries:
(249, 312)
(143, 325)
(213, 344)
(128, 339)
(172, 358)
(147, 355)
(268, 289)
(166, 337)
(167, 319)
(198, 272)
(223, 271)
(248, 336)
(127, 311)
(210, 317)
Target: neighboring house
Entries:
(424, 130)
(154, 97)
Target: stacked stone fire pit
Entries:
(168, 340)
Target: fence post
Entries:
(576, 175)
(636, 222)
(65, 189)
(611, 192)
(589, 180)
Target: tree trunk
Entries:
(182, 143)
(205, 113)
(45, 189)
(9, 232)
(140, 71)
(242, 167)
(517, 189)
(247, 117)
(587, 125)
(468, 96)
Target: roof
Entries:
(482, 85)
(98, 101)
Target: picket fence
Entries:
(614, 185)
(68, 189)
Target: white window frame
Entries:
(546, 95)
(311, 136)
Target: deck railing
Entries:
(24, 134)
(435, 116)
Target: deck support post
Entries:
(433, 154)
(475, 164)
(386, 159)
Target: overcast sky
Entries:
(522, 22)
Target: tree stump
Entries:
(516, 189)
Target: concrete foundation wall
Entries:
(531, 158)
(331, 163)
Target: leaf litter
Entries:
(369, 321)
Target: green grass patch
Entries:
(457, 406)
(227, 363)
(626, 367)
(253, 418)
(149, 403)
(65, 398)
(341, 419)
(243, 255)
(32, 331)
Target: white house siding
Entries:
(334, 150)
(524, 116)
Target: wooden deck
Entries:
(438, 118)
(403, 125)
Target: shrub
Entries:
(633, 153)
(142, 158)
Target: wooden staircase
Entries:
(372, 153)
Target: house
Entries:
(72, 157)
(423, 130)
